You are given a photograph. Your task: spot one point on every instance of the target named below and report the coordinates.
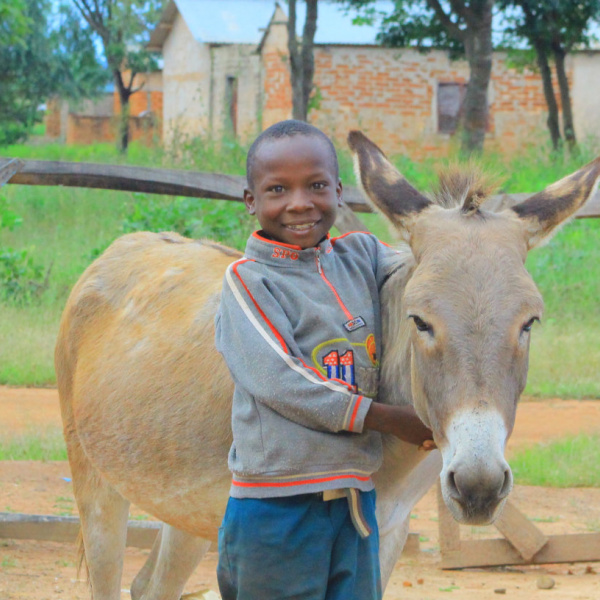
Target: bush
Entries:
(190, 217)
(21, 278)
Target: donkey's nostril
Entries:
(452, 487)
(506, 484)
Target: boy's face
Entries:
(296, 191)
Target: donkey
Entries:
(146, 399)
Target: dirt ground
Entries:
(46, 571)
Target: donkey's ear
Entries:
(399, 201)
(544, 212)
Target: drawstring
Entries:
(356, 513)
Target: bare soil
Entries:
(32, 570)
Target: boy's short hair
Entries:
(288, 128)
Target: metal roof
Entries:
(244, 21)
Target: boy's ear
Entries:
(249, 201)
(339, 189)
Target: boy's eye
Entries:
(319, 185)
(277, 189)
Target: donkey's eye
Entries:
(420, 324)
(529, 324)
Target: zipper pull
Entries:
(318, 257)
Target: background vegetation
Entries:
(59, 231)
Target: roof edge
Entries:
(163, 28)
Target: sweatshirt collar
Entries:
(264, 250)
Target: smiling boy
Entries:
(299, 328)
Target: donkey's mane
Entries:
(465, 186)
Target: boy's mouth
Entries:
(301, 226)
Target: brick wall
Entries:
(277, 89)
(391, 95)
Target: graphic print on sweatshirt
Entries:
(335, 360)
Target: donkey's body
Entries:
(146, 399)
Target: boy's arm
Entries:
(401, 421)
(254, 335)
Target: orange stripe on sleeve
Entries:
(353, 418)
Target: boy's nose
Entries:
(300, 201)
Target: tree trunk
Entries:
(565, 97)
(546, 73)
(302, 65)
(123, 131)
(478, 47)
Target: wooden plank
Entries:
(347, 221)
(448, 527)
(591, 209)
(18, 526)
(576, 547)
(520, 531)
(412, 547)
(195, 184)
(8, 167)
(171, 182)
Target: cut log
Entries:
(18, 526)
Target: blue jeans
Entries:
(299, 548)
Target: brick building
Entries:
(98, 120)
(222, 73)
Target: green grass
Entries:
(569, 462)
(64, 228)
(44, 446)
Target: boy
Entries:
(299, 326)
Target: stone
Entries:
(545, 582)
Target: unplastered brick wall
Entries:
(391, 95)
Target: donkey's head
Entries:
(466, 314)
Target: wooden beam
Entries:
(575, 547)
(8, 167)
(171, 182)
(591, 208)
(520, 531)
(448, 528)
(195, 184)
(18, 526)
(347, 221)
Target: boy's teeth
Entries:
(301, 227)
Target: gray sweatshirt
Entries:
(300, 331)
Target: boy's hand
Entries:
(401, 421)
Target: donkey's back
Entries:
(145, 398)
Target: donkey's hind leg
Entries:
(103, 513)
(175, 554)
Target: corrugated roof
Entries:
(244, 21)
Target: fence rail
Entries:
(192, 184)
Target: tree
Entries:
(80, 73)
(37, 62)
(123, 27)
(553, 29)
(13, 21)
(302, 62)
(458, 26)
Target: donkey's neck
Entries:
(394, 384)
